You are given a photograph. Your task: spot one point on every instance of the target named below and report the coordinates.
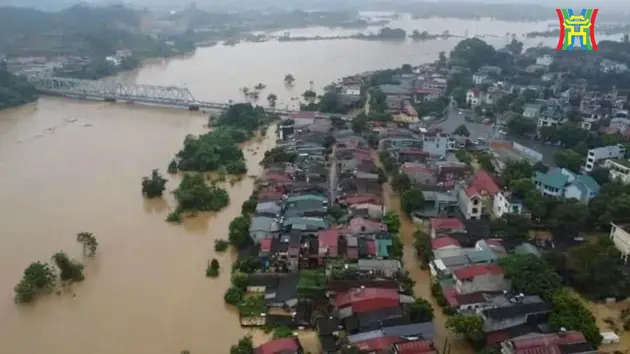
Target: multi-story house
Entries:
(476, 197)
(560, 182)
(551, 117)
(620, 235)
(618, 170)
(478, 278)
(504, 203)
(532, 110)
(597, 156)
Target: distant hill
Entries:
(78, 30)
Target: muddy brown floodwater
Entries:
(70, 166)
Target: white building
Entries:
(479, 78)
(619, 170)
(352, 90)
(545, 60)
(113, 60)
(473, 97)
(504, 204)
(477, 197)
(621, 238)
(594, 156)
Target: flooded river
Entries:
(69, 166)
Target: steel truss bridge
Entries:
(113, 91)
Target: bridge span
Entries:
(113, 91)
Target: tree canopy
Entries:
(531, 275)
(470, 326)
(392, 221)
(212, 150)
(412, 199)
(194, 194)
(153, 186)
(570, 313)
(14, 90)
(38, 278)
(239, 230)
(420, 311)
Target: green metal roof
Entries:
(382, 247)
(482, 256)
(556, 178)
(527, 248)
(298, 198)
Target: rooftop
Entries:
(477, 270)
(482, 183)
(279, 346)
(446, 223)
(444, 242)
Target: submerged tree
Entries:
(38, 277)
(212, 269)
(289, 79)
(69, 270)
(154, 186)
(88, 241)
(272, 98)
(172, 166)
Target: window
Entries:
(475, 201)
(475, 210)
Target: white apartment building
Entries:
(619, 170)
(596, 156)
(621, 238)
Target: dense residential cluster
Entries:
(518, 234)
(321, 250)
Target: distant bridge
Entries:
(113, 91)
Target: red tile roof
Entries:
(444, 242)
(366, 223)
(482, 183)
(329, 239)
(265, 244)
(378, 344)
(447, 224)
(361, 199)
(414, 151)
(278, 346)
(534, 345)
(368, 299)
(270, 194)
(476, 91)
(414, 347)
(476, 270)
(276, 177)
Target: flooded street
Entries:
(70, 166)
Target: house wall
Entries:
(484, 282)
(532, 154)
(572, 191)
(618, 171)
(621, 239)
(501, 206)
(594, 156)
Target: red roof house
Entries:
(280, 346)
(414, 347)
(446, 226)
(360, 199)
(480, 278)
(546, 343)
(482, 184)
(378, 344)
(368, 299)
(363, 225)
(476, 270)
(444, 242)
(328, 243)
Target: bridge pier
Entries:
(110, 99)
(193, 107)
